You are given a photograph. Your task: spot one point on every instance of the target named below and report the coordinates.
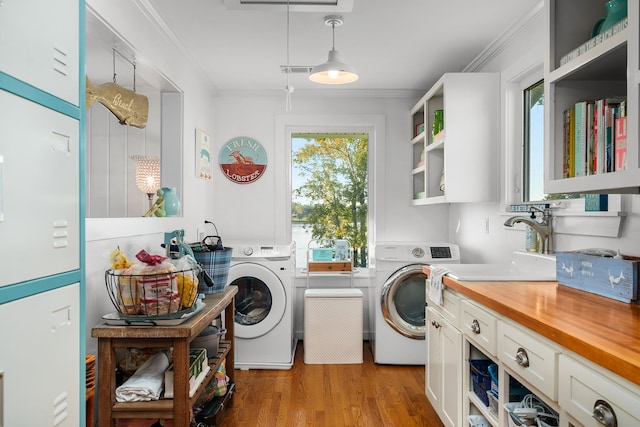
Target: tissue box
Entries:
(607, 277)
(322, 254)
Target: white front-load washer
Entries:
(397, 308)
(264, 274)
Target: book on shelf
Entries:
(568, 168)
(580, 153)
(589, 166)
(621, 138)
(599, 134)
(198, 370)
(594, 137)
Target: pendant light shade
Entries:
(334, 71)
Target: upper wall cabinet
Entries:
(47, 58)
(587, 61)
(455, 139)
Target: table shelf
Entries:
(111, 338)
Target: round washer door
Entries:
(260, 301)
(403, 301)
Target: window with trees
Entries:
(329, 197)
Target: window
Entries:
(533, 143)
(533, 146)
(329, 190)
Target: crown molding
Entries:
(503, 40)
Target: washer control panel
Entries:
(253, 251)
(427, 253)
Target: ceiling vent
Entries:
(328, 6)
(296, 69)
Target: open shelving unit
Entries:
(609, 68)
(458, 164)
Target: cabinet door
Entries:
(39, 190)
(40, 359)
(451, 354)
(444, 369)
(39, 45)
(434, 374)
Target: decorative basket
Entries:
(151, 295)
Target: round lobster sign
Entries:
(242, 160)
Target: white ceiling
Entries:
(393, 44)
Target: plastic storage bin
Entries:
(333, 323)
(493, 403)
(478, 421)
(480, 378)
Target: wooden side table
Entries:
(110, 338)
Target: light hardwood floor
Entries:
(366, 395)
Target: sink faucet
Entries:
(544, 227)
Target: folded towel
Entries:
(435, 284)
(146, 383)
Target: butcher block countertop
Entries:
(600, 329)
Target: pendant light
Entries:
(333, 72)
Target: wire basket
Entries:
(169, 293)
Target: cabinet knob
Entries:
(435, 324)
(522, 358)
(604, 414)
(475, 326)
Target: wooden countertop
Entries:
(600, 329)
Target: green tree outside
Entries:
(336, 171)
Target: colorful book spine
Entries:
(621, 139)
(590, 170)
(566, 138)
(601, 105)
(572, 142)
(581, 138)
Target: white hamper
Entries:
(333, 326)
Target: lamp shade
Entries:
(333, 72)
(147, 173)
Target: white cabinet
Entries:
(609, 68)
(41, 213)
(479, 326)
(460, 164)
(40, 336)
(39, 200)
(594, 397)
(529, 356)
(443, 374)
(444, 368)
(39, 41)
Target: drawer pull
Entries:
(522, 358)
(604, 414)
(435, 324)
(475, 326)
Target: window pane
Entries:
(533, 149)
(329, 185)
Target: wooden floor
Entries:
(366, 395)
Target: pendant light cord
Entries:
(288, 88)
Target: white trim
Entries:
(504, 39)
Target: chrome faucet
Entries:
(544, 227)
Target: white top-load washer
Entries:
(263, 324)
(397, 308)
